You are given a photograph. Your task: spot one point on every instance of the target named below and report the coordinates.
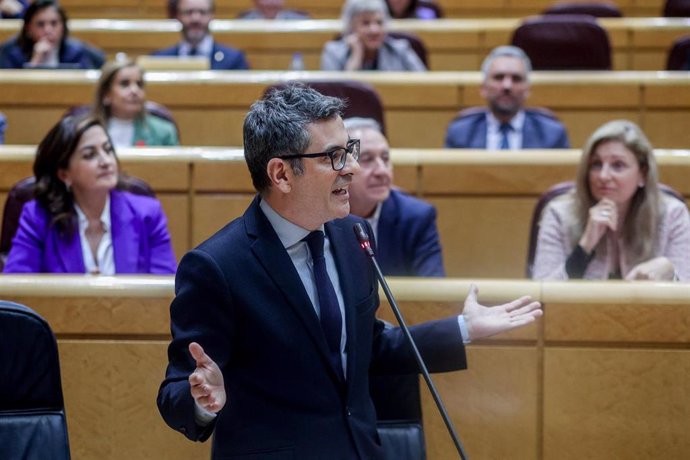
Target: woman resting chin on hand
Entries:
(616, 224)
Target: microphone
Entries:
(363, 238)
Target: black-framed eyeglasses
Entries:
(337, 155)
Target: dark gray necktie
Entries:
(330, 318)
(505, 129)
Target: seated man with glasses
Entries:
(195, 17)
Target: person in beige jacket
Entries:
(617, 224)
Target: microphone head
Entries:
(363, 238)
(361, 233)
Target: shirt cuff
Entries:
(202, 416)
(463, 330)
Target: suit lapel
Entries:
(271, 254)
(69, 252)
(124, 234)
(531, 133)
(479, 137)
(387, 227)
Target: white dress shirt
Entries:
(103, 263)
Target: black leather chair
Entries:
(679, 55)
(32, 412)
(23, 191)
(553, 192)
(415, 42)
(362, 99)
(596, 9)
(401, 440)
(564, 42)
(676, 9)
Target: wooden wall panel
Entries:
(616, 403)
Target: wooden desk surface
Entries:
(453, 44)
(210, 106)
(567, 387)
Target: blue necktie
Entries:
(330, 318)
(193, 51)
(505, 128)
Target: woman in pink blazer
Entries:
(79, 222)
(617, 224)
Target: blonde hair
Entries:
(642, 220)
(108, 73)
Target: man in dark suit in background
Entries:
(282, 300)
(407, 240)
(407, 244)
(506, 124)
(195, 17)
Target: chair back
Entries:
(564, 42)
(32, 418)
(415, 42)
(679, 55)
(23, 191)
(401, 440)
(362, 99)
(676, 9)
(556, 191)
(596, 9)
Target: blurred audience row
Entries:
(365, 43)
(615, 222)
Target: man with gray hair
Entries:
(273, 326)
(405, 227)
(506, 124)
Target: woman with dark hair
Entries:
(616, 224)
(120, 103)
(411, 9)
(79, 221)
(44, 42)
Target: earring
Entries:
(68, 186)
(640, 185)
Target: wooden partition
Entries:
(210, 106)
(603, 375)
(331, 8)
(453, 44)
(484, 199)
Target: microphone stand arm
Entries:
(420, 361)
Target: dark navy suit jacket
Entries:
(540, 131)
(239, 295)
(222, 57)
(408, 242)
(73, 51)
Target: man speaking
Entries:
(273, 326)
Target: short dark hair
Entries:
(24, 41)
(277, 125)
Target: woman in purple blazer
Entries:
(79, 222)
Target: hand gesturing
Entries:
(206, 382)
(484, 321)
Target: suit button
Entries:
(183, 430)
(348, 411)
